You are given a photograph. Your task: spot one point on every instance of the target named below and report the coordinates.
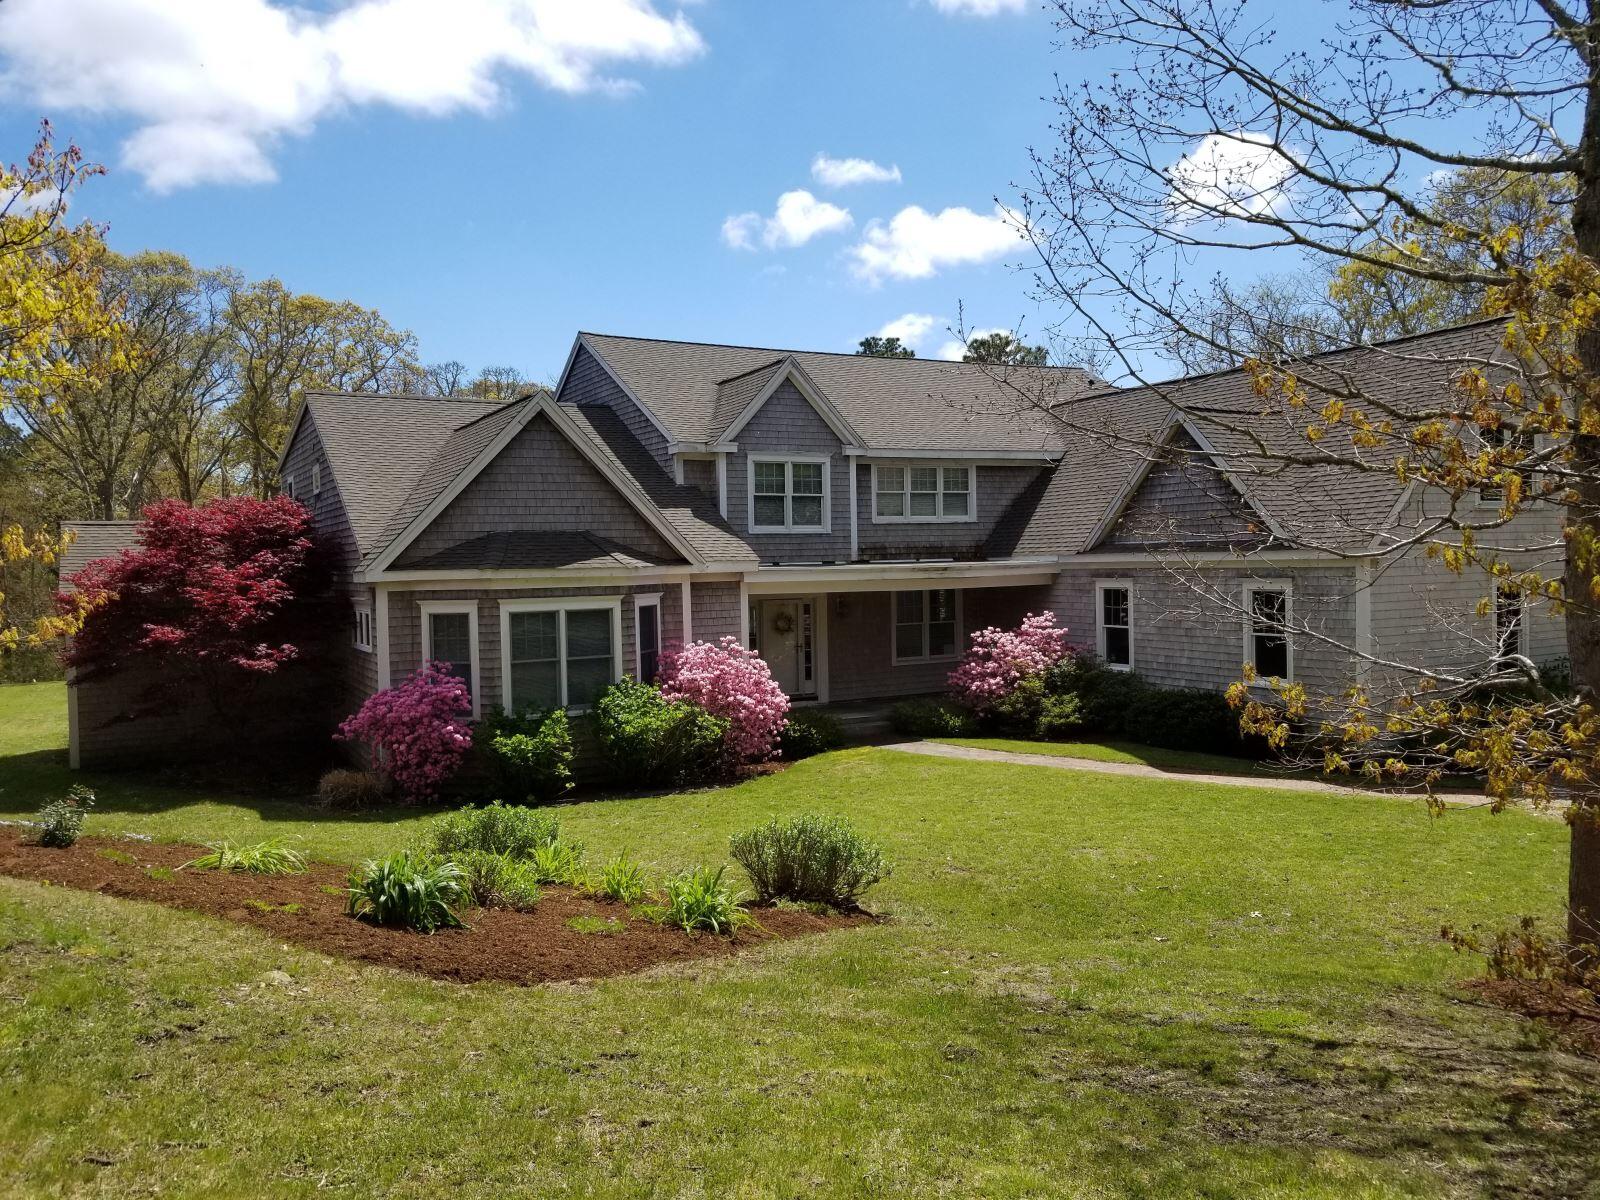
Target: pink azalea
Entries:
(726, 679)
(416, 732)
(1000, 659)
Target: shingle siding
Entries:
(787, 424)
(1185, 501)
(539, 482)
(997, 489)
(715, 611)
(588, 382)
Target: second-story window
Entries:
(788, 495)
(921, 492)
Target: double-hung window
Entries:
(925, 626)
(647, 636)
(1509, 622)
(559, 653)
(1267, 646)
(361, 630)
(788, 495)
(1113, 623)
(921, 492)
(450, 636)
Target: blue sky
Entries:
(497, 205)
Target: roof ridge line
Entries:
(767, 366)
(782, 350)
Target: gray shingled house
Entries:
(854, 520)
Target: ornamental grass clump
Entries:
(699, 900)
(810, 858)
(407, 890)
(622, 879)
(271, 857)
(731, 682)
(417, 732)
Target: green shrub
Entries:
(1184, 719)
(557, 862)
(496, 828)
(529, 754)
(407, 889)
(651, 741)
(61, 821)
(1018, 711)
(931, 718)
(699, 899)
(344, 788)
(1060, 717)
(810, 732)
(498, 880)
(271, 857)
(810, 858)
(623, 879)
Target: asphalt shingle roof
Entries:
(893, 403)
(528, 549)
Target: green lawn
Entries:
(1090, 986)
(1120, 752)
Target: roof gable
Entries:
(1182, 497)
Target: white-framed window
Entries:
(316, 479)
(559, 652)
(789, 494)
(1495, 439)
(922, 492)
(361, 628)
(646, 636)
(1268, 648)
(926, 626)
(288, 486)
(1113, 623)
(450, 636)
(1510, 622)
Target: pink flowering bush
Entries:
(729, 681)
(1000, 659)
(417, 731)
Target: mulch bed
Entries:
(513, 947)
(1573, 1012)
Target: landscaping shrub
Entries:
(530, 754)
(557, 862)
(1081, 695)
(498, 880)
(733, 683)
(417, 731)
(344, 788)
(931, 718)
(497, 828)
(408, 890)
(271, 857)
(699, 899)
(653, 741)
(622, 879)
(1059, 718)
(61, 821)
(809, 858)
(810, 732)
(1184, 719)
(1000, 659)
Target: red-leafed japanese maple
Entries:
(232, 589)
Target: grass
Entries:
(1189, 761)
(1091, 986)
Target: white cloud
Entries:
(798, 218)
(911, 328)
(979, 8)
(1235, 174)
(212, 85)
(914, 243)
(845, 172)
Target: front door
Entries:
(785, 636)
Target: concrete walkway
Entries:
(1144, 771)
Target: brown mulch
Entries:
(513, 947)
(1572, 1011)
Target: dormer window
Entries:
(922, 492)
(789, 495)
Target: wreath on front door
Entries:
(783, 622)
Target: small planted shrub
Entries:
(61, 821)
(1059, 718)
(652, 741)
(416, 732)
(272, 857)
(1000, 659)
(809, 858)
(530, 754)
(344, 788)
(499, 880)
(733, 683)
(557, 862)
(622, 879)
(700, 899)
(810, 732)
(931, 718)
(407, 890)
(498, 828)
